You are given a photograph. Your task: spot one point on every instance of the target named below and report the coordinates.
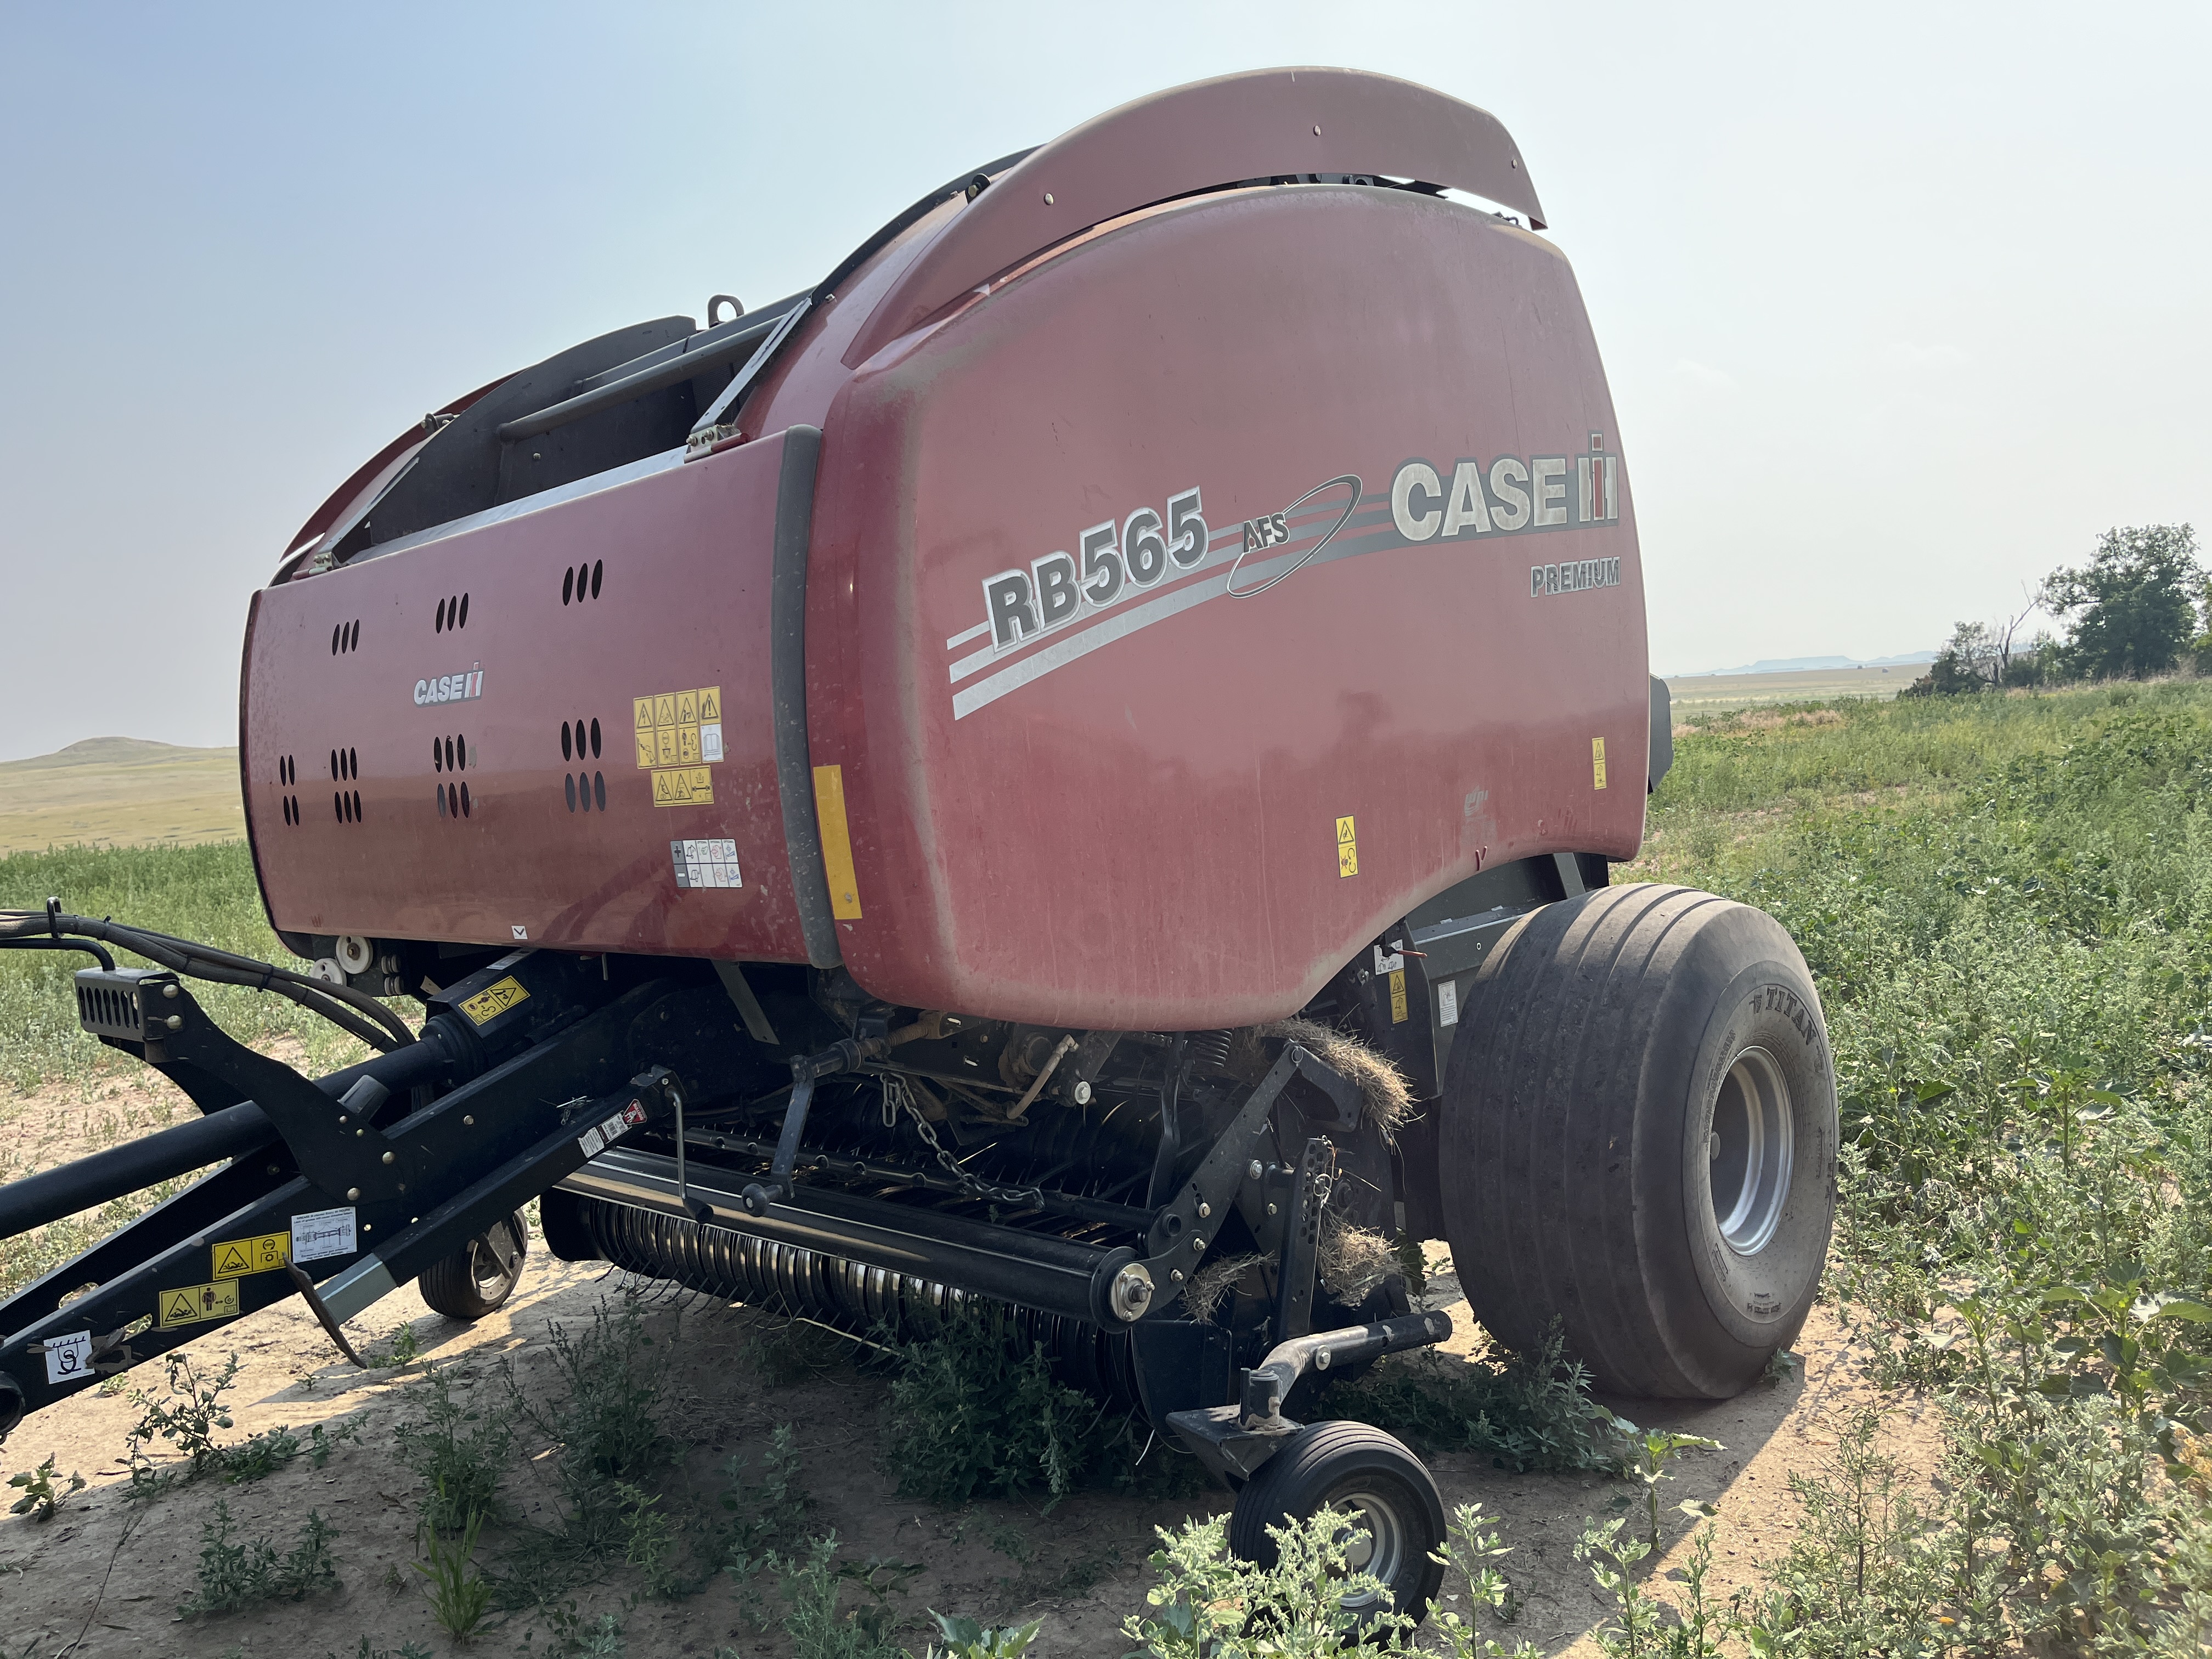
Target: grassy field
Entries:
(2007, 901)
(1705, 693)
(120, 791)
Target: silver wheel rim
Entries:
(1750, 1148)
(491, 1280)
(1376, 1538)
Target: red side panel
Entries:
(1181, 807)
(473, 823)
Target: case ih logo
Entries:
(450, 688)
(1512, 496)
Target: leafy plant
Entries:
(813, 1584)
(404, 1650)
(1531, 1411)
(187, 1418)
(768, 1512)
(234, 1576)
(1208, 1604)
(459, 1594)
(458, 1453)
(964, 1639)
(1471, 1545)
(43, 1490)
(1654, 1450)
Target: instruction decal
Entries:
(705, 863)
(494, 1000)
(1347, 848)
(68, 1358)
(1597, 763)
(193, 1303)
(683, 785)
(321, 1234)
(236, 1257)
(1448, 1004)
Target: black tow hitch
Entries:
(338, 1182)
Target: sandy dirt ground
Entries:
(105, 1576)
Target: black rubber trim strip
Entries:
(826, 289)
(795, 765)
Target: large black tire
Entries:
(1639, 1140)
(1360, 1470)
(474, 1279)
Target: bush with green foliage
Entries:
(2132, 608)
(232, 1576)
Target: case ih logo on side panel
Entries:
(450, 688)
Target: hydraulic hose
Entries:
(341, 1004)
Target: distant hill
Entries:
(1803, 665)
(119, 792)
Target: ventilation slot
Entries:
(580, 582)
(453, 612)
(344, 638)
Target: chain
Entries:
(898, 1097)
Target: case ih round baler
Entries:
(1073, 764)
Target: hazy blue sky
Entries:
(1901, 305)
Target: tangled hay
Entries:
(1351, 1260)
(1210, 1286)
(1384, 1095)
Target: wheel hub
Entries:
(1375, 1540)
(1751, 1148)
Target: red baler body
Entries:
(1134, 818)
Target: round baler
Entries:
(1074, 765)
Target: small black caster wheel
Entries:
(1390, 1503)
(479, 1276)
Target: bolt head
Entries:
(1270, 1209)
(353, 1195)
(1205, 1210)
(1082, 1092)
(1321, 1360)
(172, 990)
(1176, 1274)
(1198, 1242)
(391, 1159)
(468, 1123)
(1132, 1293)
(1252, 1171)
(175, 1021)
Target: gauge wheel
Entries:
(1389, 1499)
(482, 1274)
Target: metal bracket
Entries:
(844, 1056)
(1294, 1288)
(1234, 1441)
(1183, 1228)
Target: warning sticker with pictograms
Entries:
(494, 1000)
(238, 1256)
(1347, 848)
(683, 785)
(195, 1303)
(679, 730)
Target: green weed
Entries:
(459, 1595)
(1205, 1603)
(813, 1584)
(459, 1454)
(965, 1639)
(43, 1490)
(1529, 1412)
(232, 1576)
(404, 1650)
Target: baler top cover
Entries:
(1111, 554)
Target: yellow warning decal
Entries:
(195, 1303)
(685, 786)
(1347, 848)
(1597, 763)
(1398, 996)
(837, 842)
(238, 1256)
(494, 1000)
